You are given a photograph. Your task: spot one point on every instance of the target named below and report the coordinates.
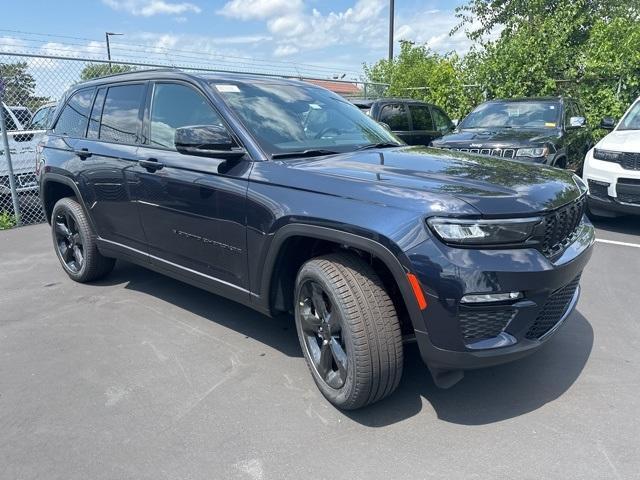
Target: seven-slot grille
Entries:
(561, 227)
(482, 324)
(494, 152)
(554, 309)
(629, 161)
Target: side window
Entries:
(39, 119)
(8, 120)
(75, 114)
(421, 117)
(174, 106)
(441, 120)
(570, 110)
(96, 114)
(395, 116)
(120, 114)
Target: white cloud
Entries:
(285, 50)
(149, 8)
(259, 9)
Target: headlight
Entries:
(483, 232)
(532, 152)
(606, 155)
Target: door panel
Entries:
(114, 129)
(193, 208)
(110, 185)
(397, 117)
(193, 216)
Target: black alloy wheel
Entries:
(69, 241)
(322, 330)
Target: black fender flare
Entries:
(50, 178)
(352, 240)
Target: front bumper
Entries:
(454, 336)
(613, 190)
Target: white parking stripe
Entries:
(613, 242)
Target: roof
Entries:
(341, 88)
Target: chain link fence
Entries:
(31, 85)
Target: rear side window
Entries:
(96, 113)
(75, 115)
(121, 114)
(39, 120)
(421, 117)
(442, 122)
(175, 106)
(395, 116)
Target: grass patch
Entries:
(7, 220)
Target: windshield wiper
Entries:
(304, 153)
(378, 145)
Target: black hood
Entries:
(498, 137)
(416, 177)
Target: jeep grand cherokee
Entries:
(285, 197)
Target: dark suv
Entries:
(415, 122)
(551, 131)
(285, 197)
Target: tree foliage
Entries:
(96, 70)
(20, 86)
(584, 48)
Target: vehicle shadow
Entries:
(492, 394)
(626, 225)
(279, 333)
(482, 397)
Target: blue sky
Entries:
(332, 35)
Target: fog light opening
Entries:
(491, 297)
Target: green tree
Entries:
(95, 70)
(420, 73)
(20, 86)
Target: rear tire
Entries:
(75, 243)
(348, 330)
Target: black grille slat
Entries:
(630, 161)
(553, 311)
(561, 226)
(483, 324)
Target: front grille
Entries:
(629, 161)
(553, 311)
(598, 189)
(495, 152)
(482, 324)
(561, 227)
(629, 198)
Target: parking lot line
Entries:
(614, 242)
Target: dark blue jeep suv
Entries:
(285, 197)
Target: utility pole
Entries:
(106, 36)
(391, 21)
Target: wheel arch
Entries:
(54, 187)
(293, 244)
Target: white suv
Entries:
(612, 167)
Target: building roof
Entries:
(341, 88)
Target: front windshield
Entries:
(631, 120)
(539, 114)
(286, 118)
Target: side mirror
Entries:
(207, 141)
(608, 123)
(385, 125)
(455, 122)
(577, 122)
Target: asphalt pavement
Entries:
(143, 377)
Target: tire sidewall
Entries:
(63, 206)
(339, 397)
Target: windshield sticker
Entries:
(549, 124)
(552, 107)
(315, 106)
(228, 88)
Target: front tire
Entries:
(75, 243)
(348, 330)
